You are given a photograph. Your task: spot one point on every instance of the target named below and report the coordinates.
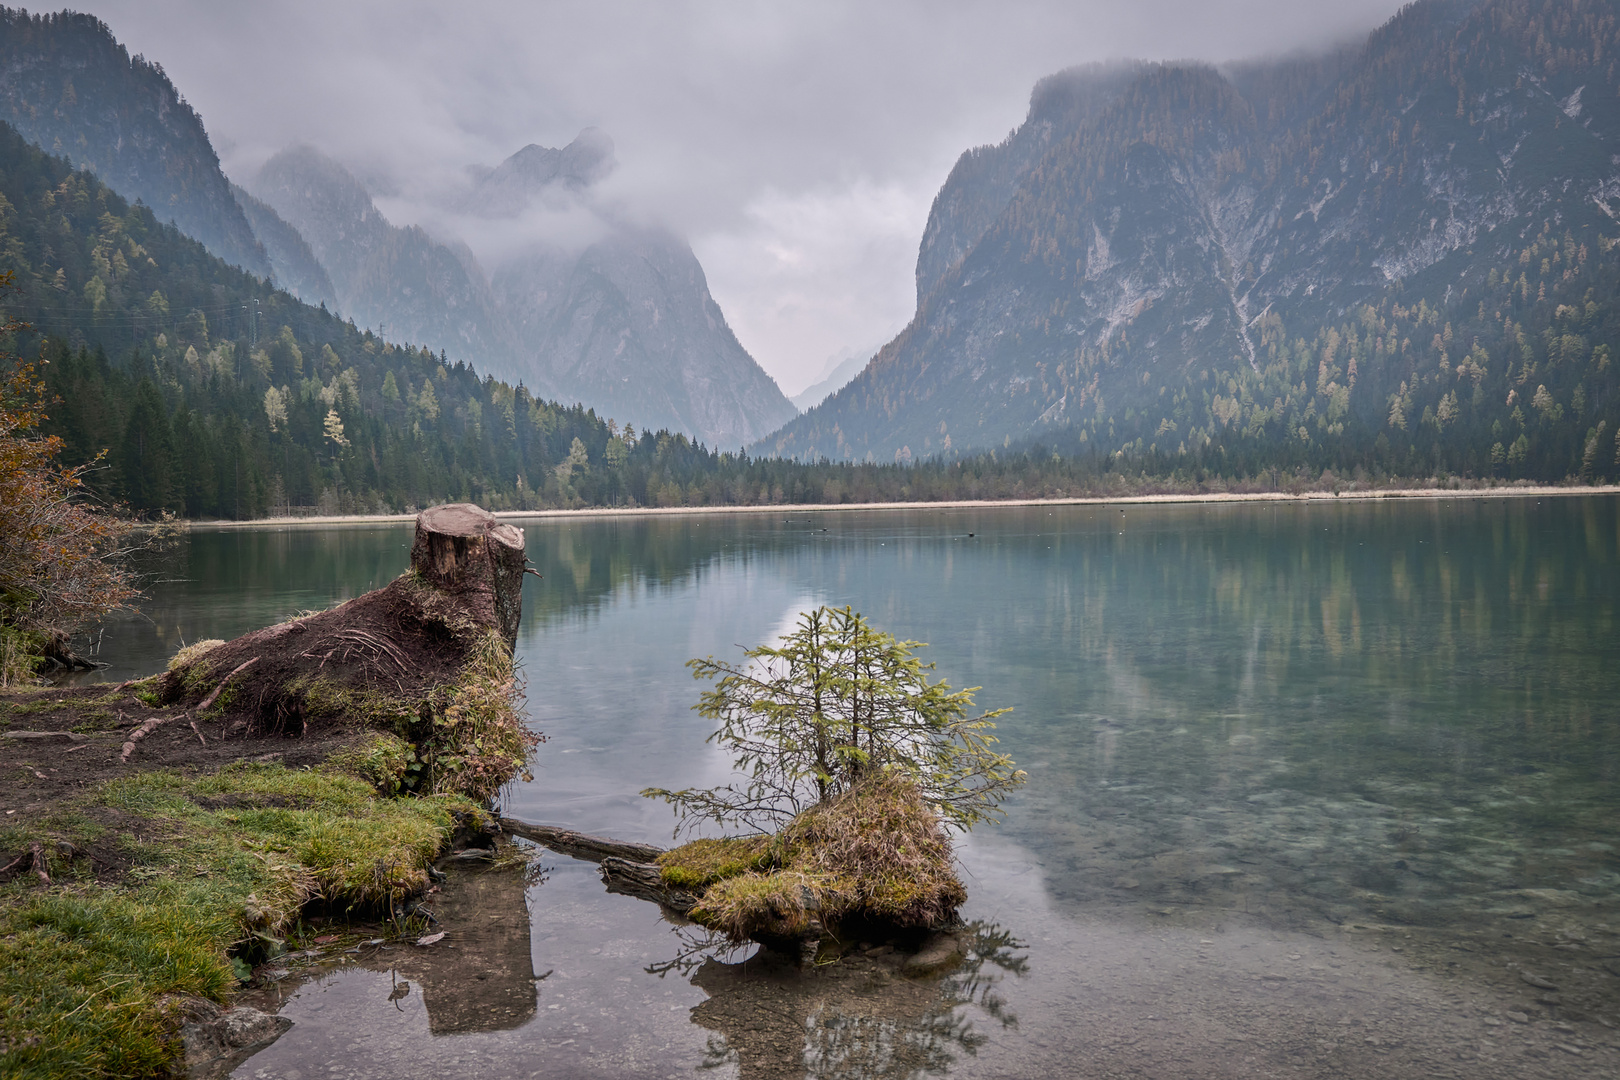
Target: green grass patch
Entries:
(33, 708)
(94, 720)
(876, 854)
(219, 865)
(703, 862)
(381, 760)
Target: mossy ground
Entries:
(177, 882)
(177, 863)
(876, 855)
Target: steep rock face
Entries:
(292, 264)
(985, 179)
(627, 324)
(423, 291)
(630, 328)
(68, 86)
(1169, 223)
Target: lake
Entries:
(1315, 789)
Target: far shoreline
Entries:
(1367, 495)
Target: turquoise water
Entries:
(1312, 787)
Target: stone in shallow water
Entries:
(218, 1041)
(937, 951)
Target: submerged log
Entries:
(645, 881)
(464, 551)
(580, 845)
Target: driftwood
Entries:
(627, 867)
(143, 731)
(579, 845)
(645, 881)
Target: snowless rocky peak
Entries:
(505, 191)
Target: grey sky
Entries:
(798, 146)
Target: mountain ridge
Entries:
(1195, 224)
(68, 85)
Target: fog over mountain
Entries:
(577, 299)
(797, 147)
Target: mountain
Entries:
(631, 328)
(69, 86)
(152, 351)
(384, 276)
(1398, 248)
(625, 323)
(507, 189)
(839, 370)
(292, 264)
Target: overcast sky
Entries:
(797, 146)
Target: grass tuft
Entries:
(191, 652)
(381, 760)
(479, 740)
(703, 862)
(877, 853)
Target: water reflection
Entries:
(858, 1017)
(1253, 732)
(489, 985)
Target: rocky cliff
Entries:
(1160, 253)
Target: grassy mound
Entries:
(165, 886)
(875, 855)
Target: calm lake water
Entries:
(1314, 790)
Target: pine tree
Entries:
(146, 458)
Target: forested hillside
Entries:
(217, 396)
(1400, 257)
(69, 86)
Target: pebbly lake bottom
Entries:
(1313, 791)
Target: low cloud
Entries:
(798, 147)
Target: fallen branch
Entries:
(199, 734)
(644, 881)
(209, 700)
(14, 863)
(581, 845)
(39, 863)
(142, 732)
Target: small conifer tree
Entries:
(807, 718)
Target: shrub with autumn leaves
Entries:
(59, 554)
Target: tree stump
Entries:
(464, 551)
